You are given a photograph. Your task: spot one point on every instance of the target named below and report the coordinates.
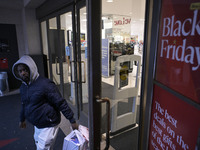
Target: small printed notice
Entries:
(174, 125)
(123, 76)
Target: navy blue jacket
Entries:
(42, 103)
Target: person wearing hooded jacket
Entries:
(41, 103)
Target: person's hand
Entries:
(22, 125)
(74, 126)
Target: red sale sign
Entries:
(3, 63)
(178, 58)
(175, 124)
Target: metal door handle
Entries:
(71, 70)
(56, 66)
(84, 81)
(107, 101)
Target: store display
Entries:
(119, 49)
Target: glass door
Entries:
(122, 52)
(67, 56)
(74, 60)
(64, 40)
(54, 48)
(54, 51)
(82, 58)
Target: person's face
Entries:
(24, 72)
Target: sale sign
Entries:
(178, 57)
(175, 124)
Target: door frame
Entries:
(94, 13)
(152, 16)
(78, 6)
(73, 7)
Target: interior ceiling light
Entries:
(109, 1)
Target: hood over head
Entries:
(27, 60)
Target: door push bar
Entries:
(107, 101)
(71, 70)
(56, 60)
(84, 81)
(82, 62)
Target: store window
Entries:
(122, 52)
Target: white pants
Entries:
(45, 137)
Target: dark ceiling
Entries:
(19, 4)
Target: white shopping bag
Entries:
(75, 141)
(85, 132)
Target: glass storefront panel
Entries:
(66, 38)
(68, 61)
(45, 43)
(54, 52)
(122, 50)
(83, 42)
